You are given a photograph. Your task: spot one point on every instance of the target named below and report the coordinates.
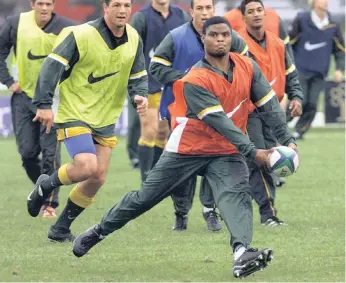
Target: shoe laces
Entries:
(214, 216)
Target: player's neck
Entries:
(256, 33)
(163, 9)
(41, 24)
(221, 63)
(199, 29)
(321, 13)
(116, 31)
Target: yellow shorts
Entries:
(65, 133)
(154, 100)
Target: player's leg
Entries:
(316, 85)
(261, 182)
(51, 161)
(146, 143)
(229, 179)
(182, 201)
(133, 134)
(167, 175)
(27, 135)
(80, 146)
(209, 207)
(82, 195)
(161, 139)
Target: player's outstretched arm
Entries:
(138, 80)
(161, 63)
(8, 34)
(64, 56)
(268, 106)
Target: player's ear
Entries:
(203, 38)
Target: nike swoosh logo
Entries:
(35, 57)
(71, 218)
(273, 82)
(309, 46)
(93, 80)
(230, 114)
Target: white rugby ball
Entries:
(284, 161)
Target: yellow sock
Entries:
(62, 175)
(77, 197)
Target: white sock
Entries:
(206, 209)
(240, 250)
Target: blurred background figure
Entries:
(315, 36)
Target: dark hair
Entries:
(245, 2)
(34, 1)
(215, 21)
(193, 3)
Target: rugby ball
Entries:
(284, 161)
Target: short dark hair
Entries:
(215, 21)
(34, 1)
(193, 3)
(245, 2)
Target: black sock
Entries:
(69, 214)
(145, 155)
(157, 153)
(51, 183)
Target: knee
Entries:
(99, 178)
(86, 166)
(28, 153)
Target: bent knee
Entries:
(86, 164)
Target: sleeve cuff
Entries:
(44, 106)
(252, 155)
(9, 83)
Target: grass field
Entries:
(310, 248)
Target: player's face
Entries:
(43, 9)
(321, 4)
(254, 15)
(202, 11)
(217, 40)
(118, 12)
(162, 2)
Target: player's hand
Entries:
(15, 88)
(262, 157)
(295, 108)
(142, 104)
(46, 117)
(295, 148)
(338, 76)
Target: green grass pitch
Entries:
(310, 249)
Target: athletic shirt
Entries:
(32, 47)
(195, 137)
(271, 61)
(314, 47)
(87, 95)
(156, 29)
